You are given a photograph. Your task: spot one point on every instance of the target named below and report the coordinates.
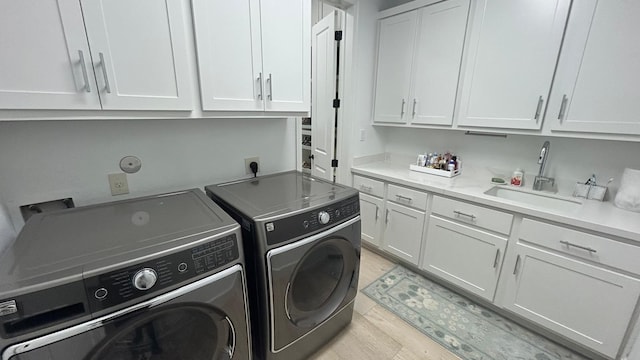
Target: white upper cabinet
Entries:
(286, 54)
(396, 41)
(254, 55)
(510, 62)
(137, 59)
(596, 85)
(45, 61)
(139, 54)
(437, 60)
(230, 79)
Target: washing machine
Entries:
(154, 278)
(302, 240)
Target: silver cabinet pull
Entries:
(366, 188)
(538, 109)
(259, 86)
(405, 198)
(515, 269)
(402, 109)
(495, 261)
(413, 115)
(591, 250)
(563, 107)
(386, 217)
(459, 213)
(270, 81)
(104, 72)
(87, 87)
(377, 213)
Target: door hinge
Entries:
(336, 103)
(338, 36)
(334, 163)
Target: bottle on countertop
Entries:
(517, 178)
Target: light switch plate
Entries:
(118, 184)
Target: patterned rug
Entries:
(467, 329)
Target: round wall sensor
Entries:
(130, 164)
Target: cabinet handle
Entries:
(270, 81)
(259, 86)
(591, 250)
(495, 261)
(538, 109)
(563, 107)
(413, 115)
(386, 218)
(377, 213)
(366, 188)
(458, 214)
(405, 198)
(87, 88)
(402, 108)
(104, 73)
(515, 269)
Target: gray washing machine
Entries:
(158, 277)
(302, 240)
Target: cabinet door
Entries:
(286, 54)
(437, 60)
(467, 257)
(403, 231)
(587, 304)
(512, 54)
(139, 54)
(45, 61)
(596, 84)
(371, 217)
(230, 67)
(396, 41)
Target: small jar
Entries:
(517, 178)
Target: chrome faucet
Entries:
(540, 179)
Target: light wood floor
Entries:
(376, 333)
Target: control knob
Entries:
(144, 279)
(324, 217)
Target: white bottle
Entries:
(517, 179)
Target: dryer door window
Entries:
(320, 282)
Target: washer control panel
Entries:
(311, 221)
(113, 288)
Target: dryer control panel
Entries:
(113, 288)
(294, 226)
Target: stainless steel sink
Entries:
(543, 200)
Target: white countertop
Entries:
(594, 215)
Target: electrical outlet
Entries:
(248, 161)
(118, 184)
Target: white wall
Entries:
(570, 159)
(45, 160)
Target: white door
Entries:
(229, 52)
(512, 54)
(139, 54)
(286, 54)
(324, 72)
(371, 217)
(596, 84)
(587, 304)
(467, 257)
(437, 60)
(403, 231)
(45, 61)
(396, 41)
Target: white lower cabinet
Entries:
(403, 231)
(465, 256)
(371, 218)
(586, 303)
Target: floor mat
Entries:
(463, 327)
